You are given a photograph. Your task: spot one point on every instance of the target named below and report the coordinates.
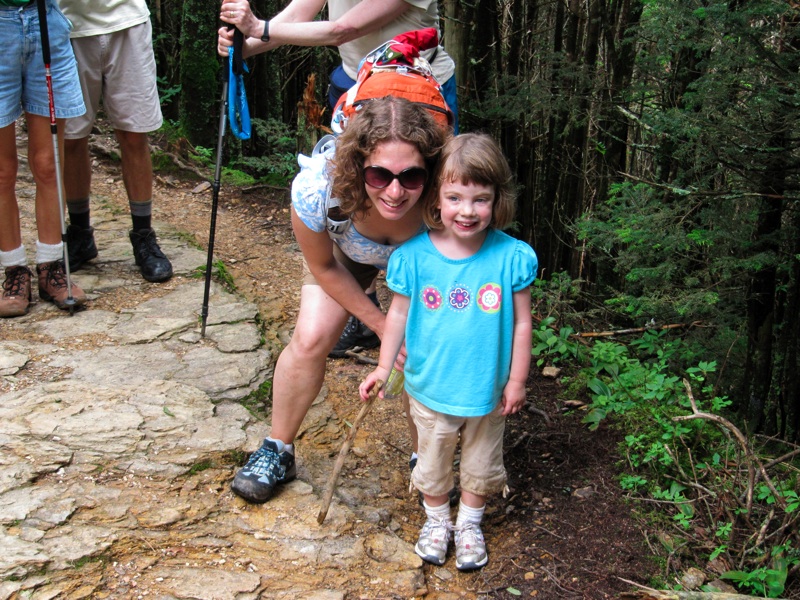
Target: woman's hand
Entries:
(400, 361)
(239, 14)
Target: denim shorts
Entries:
(23, 85)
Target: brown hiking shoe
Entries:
(16, 292)
(53, 286)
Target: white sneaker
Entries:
(433, 541)
(470, 547)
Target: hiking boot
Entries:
(16, 292)
(433, 540)
(470, 547)
(155, 266)
(355, 334)
(452, 496)
(80, 246)
(266, 468)
(53, 286)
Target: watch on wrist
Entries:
(265, 35)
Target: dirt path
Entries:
(563, 532)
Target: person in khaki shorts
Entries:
(112, 40)
(462, 303)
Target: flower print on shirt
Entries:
(460, 297)
(431, 298)
(490, 297)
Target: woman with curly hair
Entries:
(350, 210)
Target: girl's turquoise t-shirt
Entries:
(460, 323)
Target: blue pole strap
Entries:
(238, 111)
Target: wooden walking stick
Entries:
(337, 467)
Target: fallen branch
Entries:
(593, 334)
(751, 459)
(363, 358)
(261, 186)
(538, 411)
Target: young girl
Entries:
(462, 303)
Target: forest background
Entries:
(655, 144)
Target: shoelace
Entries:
(267, 461)
(468, 534)
(352, 326)
(150, 247)
(437, 529)
(56, 276)
(12, 286)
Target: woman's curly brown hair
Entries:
(389, 119)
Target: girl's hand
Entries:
(372, 379)
(513, 398)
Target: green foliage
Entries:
(554, 346)
(272, 155)
(220, 271)
(693, 469)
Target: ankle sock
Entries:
(438, 512)
(79, 212)
(282, 446)
(49, 252)
(13, 258)
(469, 514)
(141, 214)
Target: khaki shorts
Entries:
(120, 69)
(481, 472)
(364, 274)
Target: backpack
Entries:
(396, 68)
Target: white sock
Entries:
(438, 512)
(469, 514)
(282, 446)
(13, 258)
(49, 252)
(414, 456)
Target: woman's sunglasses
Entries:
(412, 178)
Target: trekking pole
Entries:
(44, 34)
(337, 467)
(238, 41)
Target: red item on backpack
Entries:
(396, 68)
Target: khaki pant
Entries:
(481, 472)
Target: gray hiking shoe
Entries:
(470, 547)
(433, 540)
(266, 468)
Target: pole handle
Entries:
(43, 32)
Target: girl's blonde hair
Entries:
(474, 158)
(389, 119)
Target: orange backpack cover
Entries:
(396, 69)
